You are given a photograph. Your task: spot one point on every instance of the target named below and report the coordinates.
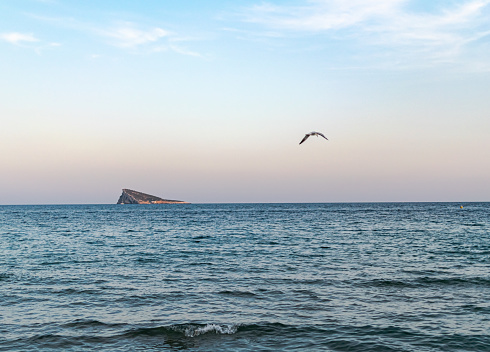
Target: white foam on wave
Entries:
(193, 331)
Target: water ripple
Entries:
(241, 277)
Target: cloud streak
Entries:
(152, 40)
(128, 35)
(441, 34)
(18, 38)
(322, 15)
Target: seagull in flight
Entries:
(312, 134)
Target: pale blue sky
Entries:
(206, 101)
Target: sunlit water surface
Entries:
(245, 277)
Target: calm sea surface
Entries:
(245, 277)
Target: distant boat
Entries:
(312, 134)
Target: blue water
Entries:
(245, 277)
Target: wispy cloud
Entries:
(28, 41)
(128, 35)
(322, 15)
(17, 38)
(436, 34)
(150, 40)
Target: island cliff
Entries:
(129, 196)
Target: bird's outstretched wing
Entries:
(305, 138)
(322, 135)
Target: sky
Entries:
(207, 101)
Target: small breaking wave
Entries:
(196, 330)
(192, 330)
(187, 330)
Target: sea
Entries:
(245, 277)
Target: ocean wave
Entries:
(89, 323)
(185, 330)
(388, 283)
(237, 293)
(196, 330)
(191, 330)
(427, 281)
(76, 291)
(259, 336)
(455, 281)
(477, 308)
(5, 276)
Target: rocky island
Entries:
(129, 196)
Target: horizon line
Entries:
(204, 203)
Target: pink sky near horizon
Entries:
(208, 103)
